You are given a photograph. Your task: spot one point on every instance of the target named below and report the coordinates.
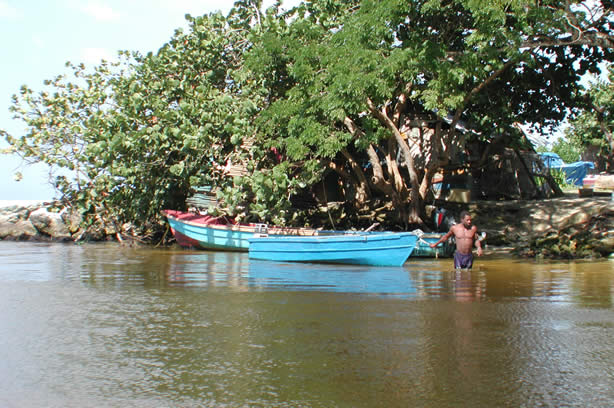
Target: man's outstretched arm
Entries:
(443, 239)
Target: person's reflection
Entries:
(466, 289)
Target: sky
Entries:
(37, 37)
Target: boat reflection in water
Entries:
(393, 281)
(207, 269)
(235, 270)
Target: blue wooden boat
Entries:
(198, 231)
(423, 250)
(377, 248)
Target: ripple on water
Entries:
(102, 325)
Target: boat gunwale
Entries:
(332, 250)
(336, 239)
(244, 227)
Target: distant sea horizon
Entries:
(23, 203)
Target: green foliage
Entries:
(493, 64)
(291, 95)
(593, 126)
(567, 150)
(63, 118)
(137, 136)
(560, 178)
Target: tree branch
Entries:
(401, 104)
(409, 161)
(363, 185)
(474, 91)
(379, 180)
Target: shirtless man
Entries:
(466, 236)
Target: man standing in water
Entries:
(466, 236)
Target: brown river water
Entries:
(102, 325)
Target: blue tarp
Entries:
(574, 172)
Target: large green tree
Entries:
(380, 92)
(348, 81)
(593, 126)
(136, 136)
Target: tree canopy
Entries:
(139, 134)
(356, 80)
(593, 126)
(379, 93)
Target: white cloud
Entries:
(100, 11)
(94, 55)
(8, 11)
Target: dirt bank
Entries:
(566, 227)
(518, 217)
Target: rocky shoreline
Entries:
(51, 222)
(38, 221)
(565, 227)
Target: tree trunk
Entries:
(415, 200)
(393, 169)
(433, 162)
(379, 179)
(363, 192)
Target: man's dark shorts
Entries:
(463, 261)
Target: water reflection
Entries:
(235, 270)
(333, 278)
(109, 265)
(206, 269)
(105, 325)
(459, 285)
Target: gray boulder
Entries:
(50, 224)
(16, 229)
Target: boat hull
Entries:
(202, 232)
(376, 249)
(212, 237)
(443, 250)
